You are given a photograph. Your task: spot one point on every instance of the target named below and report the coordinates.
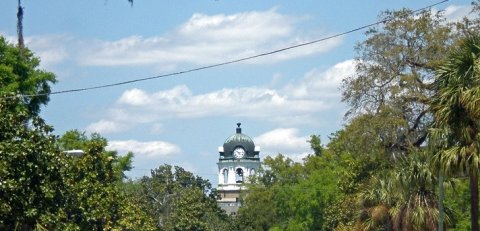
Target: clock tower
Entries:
(239, 159)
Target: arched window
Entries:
(225, 176)
(252, 172)
(239, 175)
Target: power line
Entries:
(227, 62)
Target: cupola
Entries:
(239, 140)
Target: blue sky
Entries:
(280, 99)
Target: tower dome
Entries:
(239, 140)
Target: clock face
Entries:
(239, 153)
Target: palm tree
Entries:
(456, 110)
(403, 198)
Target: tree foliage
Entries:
(21, 74)
(394, 73)
(76, 140)
(30, 168)
(291, 196)
(43, 188)
(316, 145)
(402, 198)
(177, 200)
(94, 197)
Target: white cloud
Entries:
(201, 40)
(295, 52)
(285, 141)
(322, 84)
(245, 26)
(51, 48)
(105, 126)
(455, 13)
(181, 102)
(294, 104)
(135, 97)
(147, 155)
(142, 150)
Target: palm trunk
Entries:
(25, 227)
(20, 25)
(474, 200)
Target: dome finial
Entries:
(239, 129)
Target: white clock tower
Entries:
(239, 159)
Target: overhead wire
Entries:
(226, 62)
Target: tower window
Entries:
(239, 175)
(225, 176)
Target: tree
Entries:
(458, 200)
(76, 140)
(20, 74)
(91, 190)
(394, 70)
(316, 145)
(258, 210)
(177, 200)
(457, 115)
(31, 182)
(402, 198)
(357, 153)
(470, 24)
(94, 198)
(395, 81)
(260, 205)
(292, 196)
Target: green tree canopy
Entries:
(31, 182)
(292, 196)
(21, 74)
(94, 194)
(402, 198)
(177, 200)
(76, 140)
